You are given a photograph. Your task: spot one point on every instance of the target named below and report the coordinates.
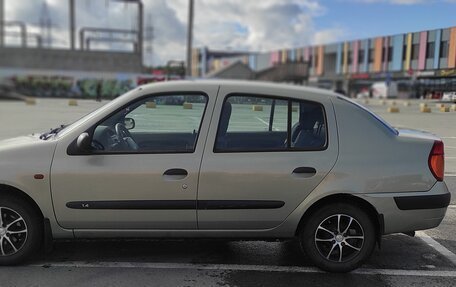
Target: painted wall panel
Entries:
(306, 54)
(345, 58)
(366, 56)
(275, 56)
(378, 55)
(398, 50)
(293, 55)
(203, 62)
(408, 52)
(252, 61)
(355, 56)
(452, 49)
(422, 54)
(386, 45)
(320, 62)
(284, 56)
(339, 59)
(438, 39)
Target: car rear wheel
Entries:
(20, 231)
(338, 237)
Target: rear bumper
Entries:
(411, 211)
(423, 202)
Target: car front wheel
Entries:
(338, 237)
(20, 230)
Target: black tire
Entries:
(28, 243)
(315, 241)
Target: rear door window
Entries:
(250, 123)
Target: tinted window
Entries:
(168, 123)
(255, 123)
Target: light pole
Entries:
(72, 25)
(1, 23)
(189, 38)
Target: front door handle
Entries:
(175, 173)
(304, 171)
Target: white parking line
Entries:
(437, 246)
(235, 267)
(265, 122)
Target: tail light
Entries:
(437, 161)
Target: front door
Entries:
(142, 171)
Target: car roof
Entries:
(240, 85)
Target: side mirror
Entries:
(83, 142)
(129, 123)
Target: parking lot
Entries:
(428, 259)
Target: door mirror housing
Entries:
(129, 123)
(83, 142)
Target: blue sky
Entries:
(363, 20)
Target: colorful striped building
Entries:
(427, 57)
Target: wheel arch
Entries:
(17, 193)
(374, 215)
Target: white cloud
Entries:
(234, 24)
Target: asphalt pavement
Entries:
(425, 260)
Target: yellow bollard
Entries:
(444, 109)
(439, 106)
(393, 110)
(453, 108)
(151, 105)
(187, 106)
(72, 103)
(425, 109)
(30, 101)
(423, 105)
(257, 108)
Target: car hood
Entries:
(19, 141)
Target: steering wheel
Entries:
(125, 138)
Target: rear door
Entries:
(264, 154)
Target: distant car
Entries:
(383, 90)
(449, 96)
(238, 160)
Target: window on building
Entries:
(360, 56)
(430, 49)
(371, 56)
(415, 51)
(390, 54)
(350, 57)
(251, 123)
(444, 49)
(404, 53)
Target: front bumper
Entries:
(411, 211)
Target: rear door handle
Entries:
(304, 171)
(175, 173)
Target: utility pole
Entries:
(72, 24)
(1, 22)
(190, 38)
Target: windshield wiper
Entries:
(55, 131)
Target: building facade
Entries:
(422, 61)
